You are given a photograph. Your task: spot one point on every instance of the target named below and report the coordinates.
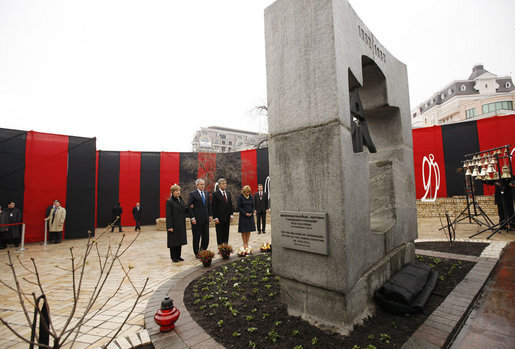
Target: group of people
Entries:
(10, 227)
(116, 217)
(202, 208)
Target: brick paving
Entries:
(151, 259)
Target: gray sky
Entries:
(144, 75)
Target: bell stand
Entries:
(466, 213)
(505, 181)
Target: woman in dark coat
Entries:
(176, 223)
(246, 221)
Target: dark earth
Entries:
(239, 305)
(457, 247)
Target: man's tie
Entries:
(53, 215)
(224, 196)
(203, 198)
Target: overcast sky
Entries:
(144, 75)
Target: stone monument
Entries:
(341, 161)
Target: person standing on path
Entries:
(56, 223)
(222, 211)
(200, 213)
(136, 213)
(261, 209)
(116, 217)
(176, 210)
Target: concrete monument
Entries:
(341, 160)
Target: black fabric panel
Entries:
(108, 185)
(458, 140)
(228, 166)
(149, 186)
(262, 165)
(188, 171)
(80, 187)
(12, 166)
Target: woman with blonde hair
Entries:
(176, 210)
(246, 209)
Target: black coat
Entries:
(14, 216)
(137, 214)
(200, 212)
(3, 220)
(246, 224)
(261, 203)
(116, 212)
(221, 209)
(176, 219)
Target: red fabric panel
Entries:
(495, 132)
(96, 188)
(46, 170)
(169, 175)
(130, 166)
(249, 169)
(427, 141)
(207, 168)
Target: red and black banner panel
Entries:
(228, 166)
(149, 187)
(458, 140)
(46, 171)
(80, 187)
(170, 172)
(429, 163)
(249, 169)
(495, 132)
(108, 185)
(12, 167)
(129, 195)
(262, 165)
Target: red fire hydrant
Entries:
(167, 315)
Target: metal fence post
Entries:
(22, 248)
(46, 232)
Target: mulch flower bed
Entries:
(239, 305)
(457, 247)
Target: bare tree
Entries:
(84, 308)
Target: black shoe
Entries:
(181, 259)
(175, 260)
(259, 232)
(58, 242)
(264, 232)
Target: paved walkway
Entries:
(149, 257)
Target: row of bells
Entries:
(486, 159)
(488, 173)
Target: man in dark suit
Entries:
(116, 217)
(222, 211)
(136, 213)
(200, 214)
(261, 208)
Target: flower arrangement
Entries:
(266, 247)
(245, 251)
(225, 250)
(206, 256)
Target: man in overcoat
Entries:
(136, 213)
(56, 220)
(14, 216)
(261, 209)
(200, 213)
(222, 211)
(116, 217)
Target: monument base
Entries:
(336, 311)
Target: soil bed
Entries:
(239, 305)
(457, 247)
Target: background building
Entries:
(482, 95)
(222, 140)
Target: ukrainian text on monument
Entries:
(304, 231)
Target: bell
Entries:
(475, 173)
(495, 176)
(483, 172)
(506, 172)
(468, 173)
(490, 169)
(492, 161)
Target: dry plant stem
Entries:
(130, 312)
(20, 336)
(18, 288)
